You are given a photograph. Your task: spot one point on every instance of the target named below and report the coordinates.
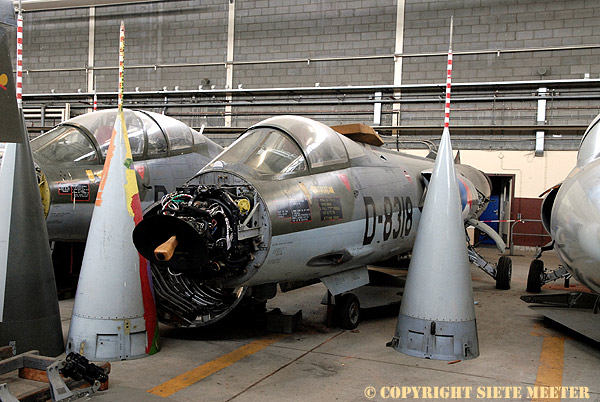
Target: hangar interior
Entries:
(525, 86)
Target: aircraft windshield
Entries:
(267, 151)
(64, 144)
(589, 149)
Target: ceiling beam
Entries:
(45, 5)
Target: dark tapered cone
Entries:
(29, 313)
(10, 118)
(7, 13)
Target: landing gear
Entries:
(347, 311)
(503, 273)
(538, 276)
(534, 278)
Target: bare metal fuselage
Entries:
(575, 214)
(576, 224)
(304, 224)
(70, 160)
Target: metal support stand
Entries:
(59, 390)
(5, 395)
(76, 369)
(330, 308)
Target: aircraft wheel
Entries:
(534, 278)
(348, 311)
(503, 273)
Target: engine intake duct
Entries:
(185, 302)
(183, 241)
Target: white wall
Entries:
(533, 175)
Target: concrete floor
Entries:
(517, 349)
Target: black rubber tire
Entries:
(348, 311)
(534, 277)
(503, 273)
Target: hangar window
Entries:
(266, 151)
(64, 144)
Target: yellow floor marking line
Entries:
(550, 369)
(193, 376)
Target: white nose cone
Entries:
(114, 316)
(437, 317)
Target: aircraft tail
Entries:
(457, 158)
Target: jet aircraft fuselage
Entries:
(571, 213)
(70, 159)
(290, 201)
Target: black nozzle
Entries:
(155, 230)
(78, 367)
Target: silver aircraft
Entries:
(571, 215)
(291, 202)
(70, 159)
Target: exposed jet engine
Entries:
(291, 202)
(204, 241)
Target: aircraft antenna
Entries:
(20, 58)
(95, 96)
(121, 65)
(448, 79)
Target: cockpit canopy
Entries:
(589, 149)
(285, 145)
(85, 138)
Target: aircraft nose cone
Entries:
(576, 226)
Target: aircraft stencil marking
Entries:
(64, 189)
(300, 211)
(331, 209)
(80, 192)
